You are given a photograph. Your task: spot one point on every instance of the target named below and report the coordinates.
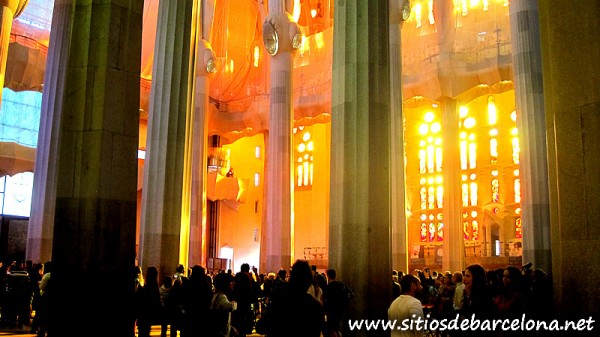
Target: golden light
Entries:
(463, 6)
(439, 179)
(492, 114)
(436, 127)
(423, 180)
(494, 132)
(514, 131)
(494, 148)
(256, 56)
(306, 136)
(474, 214)
(494, 173)
(423, 129)
(516, 172)
(431, 17)
(513, 116)
(418, 15)
(429, 117)
(463, 111)
(310, 146)
(297, 10)
(320, 40)
(469, 122)
(486, 5)
(301, 147)
(464, 177)
(313, 13)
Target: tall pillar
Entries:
(162, 196)
(205, 65)
(43, 200)
(279, 196)
(96, 99)
(570, 49)
(454, 246)
(533, 169)
(399, 231)
(9, 10)
(361, 205)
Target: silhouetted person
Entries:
(296, 313)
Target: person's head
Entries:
(282, 274)
(245, 268)
(152, 275)
(301, 276)
(448, 279)
(511, 277)
(330, 274)
(198, 272)
(167, 281)
(474, 278)
(457, 277)
(410, 285)
(223, 282)
(180, 269)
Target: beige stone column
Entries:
(204, 65)
(570, 49)
(162, 195)
(278, 240)
(399, 231)
(454, 246)
(94, 110)
(43, 200)
(533, 169)
(9, 10)
(361, 185)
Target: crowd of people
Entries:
(504, 293)
(295, 302)
(299, 301)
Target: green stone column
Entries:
(361, 127)
(162, 195)
(570, 53)
(95, 50)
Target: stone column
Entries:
(489, 245)
(41, 221)
(278, 240)
(9, 10)
(399, 231)
(96, 100)
(454, 246)
(204, 65)
(570, 49)
(533, 169)
(361, 184)
(161, 219)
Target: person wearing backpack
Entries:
(336, 297)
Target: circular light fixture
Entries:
(405, 10)
(211, 66)
(297, 41)
(270, 38)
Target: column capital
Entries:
(281, 34)
(206, 64)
